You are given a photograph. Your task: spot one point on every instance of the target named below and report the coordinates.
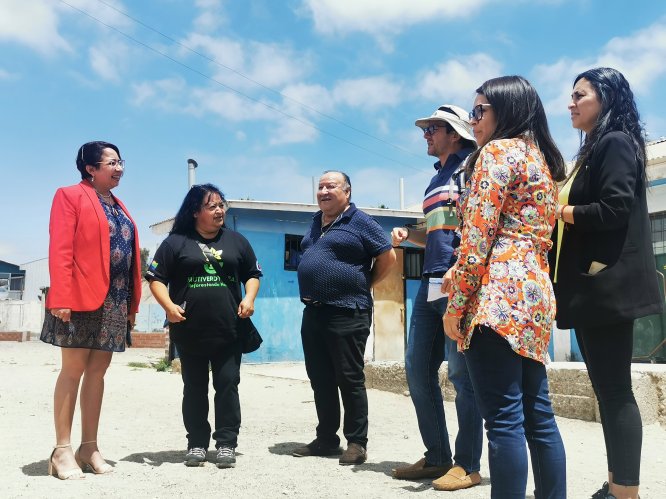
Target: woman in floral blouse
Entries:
(501, 302)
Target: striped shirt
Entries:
(439, 208)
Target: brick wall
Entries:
(148, 340)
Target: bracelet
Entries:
(561, 212)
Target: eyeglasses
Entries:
(113, 163)
(476, 113)
(429, 130)
(224, 206)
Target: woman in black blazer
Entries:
(602, 262)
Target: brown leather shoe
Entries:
(419, 470)
(457, 478)
(355, 454)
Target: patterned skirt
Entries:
(102, 329)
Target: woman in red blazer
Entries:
(95, 288)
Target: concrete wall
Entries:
(570, 389)
(36, 277)
(21, 316)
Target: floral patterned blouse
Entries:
(501, 277)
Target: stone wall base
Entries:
(570, 388)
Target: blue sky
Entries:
(266, 94)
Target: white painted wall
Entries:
(36, 277)
(21, 316)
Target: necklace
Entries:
(328, 227)
(108, 197)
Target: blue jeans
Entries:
(512, 393)
(425, 354)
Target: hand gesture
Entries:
(399, 235)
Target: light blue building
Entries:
(275, 229)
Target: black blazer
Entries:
(611, 227)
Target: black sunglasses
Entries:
(477, 111)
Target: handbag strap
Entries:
(211, 258)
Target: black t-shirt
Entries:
(210, 300)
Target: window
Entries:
(658, 228)
(292, 251)
(413, 263)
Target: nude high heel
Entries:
(73, 474)
(102, 470)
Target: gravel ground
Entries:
(141, 433)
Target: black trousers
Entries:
(225, 369)
(333, 344)
(607, 354)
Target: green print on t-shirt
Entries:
(208, 281)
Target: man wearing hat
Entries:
(450, 139)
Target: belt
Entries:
(434, 274)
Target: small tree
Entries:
(144, 260)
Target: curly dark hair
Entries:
(519, 110)
(618, 113)
(196, 197)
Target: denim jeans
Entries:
(333, 346)
(425, 354)
(512, 393)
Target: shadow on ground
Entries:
(156, 458)
(383, 467)
(40, 468)
(286, 448)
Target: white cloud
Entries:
(313, 96)
(371, 92)
(211, 16)
(270, 65)
(637, 56)
(275, 65)
(301, 129)
(222, 103)
(382, 16)
(454, 81)
(6, 75)
(166, 94)
(33, 23)
(108, 59)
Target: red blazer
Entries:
(80, 253)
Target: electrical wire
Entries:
(259, 84)
(240, 93)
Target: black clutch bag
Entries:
(248, 335)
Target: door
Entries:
(389, 314)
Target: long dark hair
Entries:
(90, 153)
(618, 113)
(196, 197)
(519, 110)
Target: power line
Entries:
(258, 83)
(240, 93)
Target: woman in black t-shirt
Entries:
(204, 263)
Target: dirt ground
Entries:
(141, 433)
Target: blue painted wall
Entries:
(278, 309)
